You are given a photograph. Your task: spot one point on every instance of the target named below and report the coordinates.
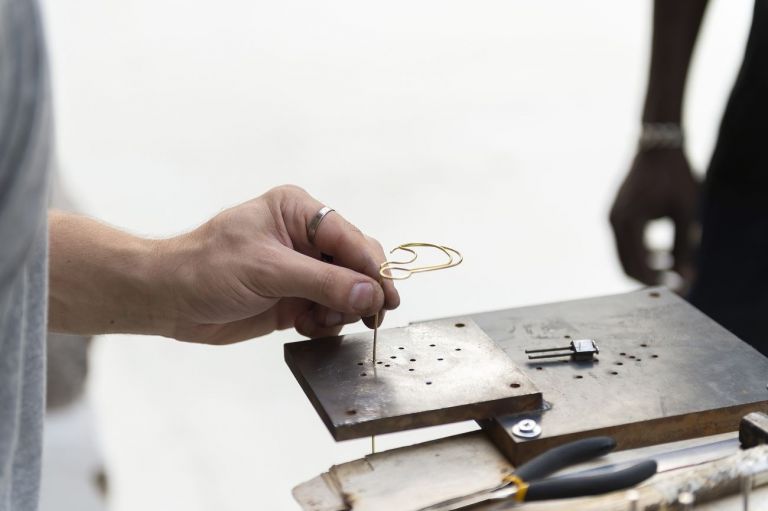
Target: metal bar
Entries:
(548, 349)
(549, 356)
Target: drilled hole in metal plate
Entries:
(578, 377)
(431, 345)
(514, 385)
(567, 336)
(413, 360)
(632, 356)
(393, 356)
(614, 373)
(539, 368)
(351, 412)
(644, 345)
(623, 354)
(401, 348)
(429, 383)
(439, 359)
(386, 365)
(654, 356)
(654, 294)
(458, 349)
(460, 325)
(359, 363)
(363, 374)
(638, 359)
(411, 369)
(379, 362)
(619, 363)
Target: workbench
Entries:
(668, 383)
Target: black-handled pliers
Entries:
(529, 481)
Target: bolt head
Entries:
(527, 428)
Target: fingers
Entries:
(335, 236)
(309, 319)
(339, 289)
(686, 228)
(370, 321)
(327, 318)
(685, 244)
(352, 249)
(322, 322)
(630, 244)
(391, 296)
(683, 248)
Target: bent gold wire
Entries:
(385, 271)
(395, 265)
(404, 248)
(386, 268)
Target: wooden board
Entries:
(414, 477)
(409, 478)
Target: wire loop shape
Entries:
(385, 269)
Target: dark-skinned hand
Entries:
(660, 184)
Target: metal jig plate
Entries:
(425, 374)
(665, 372)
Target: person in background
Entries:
(248, 271)
(728, 271)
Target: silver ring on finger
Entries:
(314, 224)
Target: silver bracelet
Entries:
(660, 135)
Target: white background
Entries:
(502, 128)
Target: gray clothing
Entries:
(66, 355)
(25, 137)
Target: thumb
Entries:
(338, 288)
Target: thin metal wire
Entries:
(385, 271)
(376, 331)
(386, 268)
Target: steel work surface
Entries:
(665, 372)
(425, 374)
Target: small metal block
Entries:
(584, 349)
(753, 430)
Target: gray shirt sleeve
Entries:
(24, 132)
(25, 135)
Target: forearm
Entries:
(103, 280)
(248, 271)
(676, 25)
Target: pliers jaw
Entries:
(532, 482)
(529, 482)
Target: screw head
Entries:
(526, 428)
